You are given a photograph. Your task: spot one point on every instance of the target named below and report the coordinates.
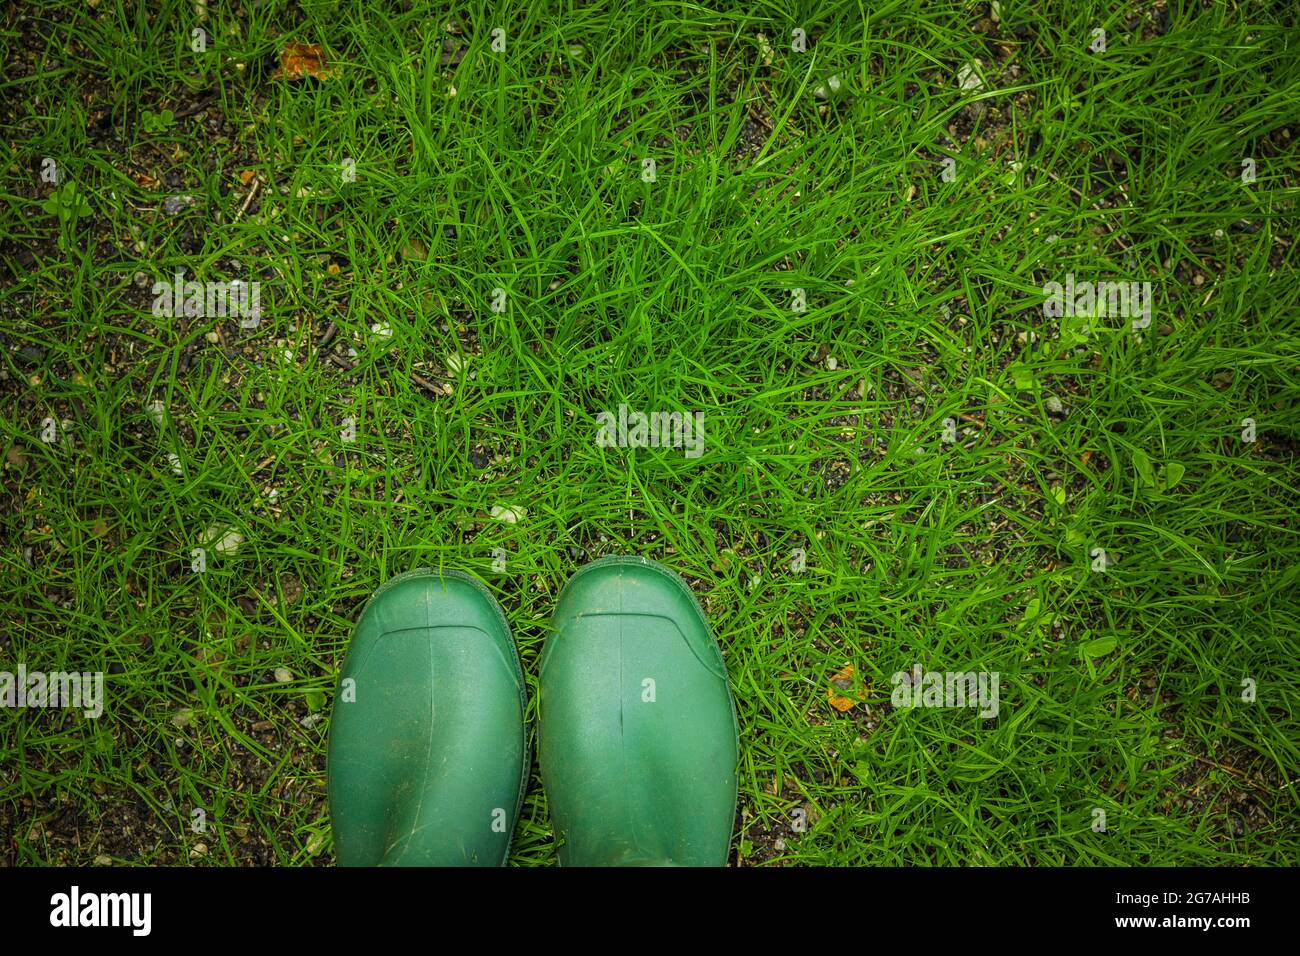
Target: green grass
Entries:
(669, 295)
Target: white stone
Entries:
(508, 514)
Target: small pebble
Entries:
(157, 412)
(969, 78)
(174, 204)
(223, 540)
(829, 90)
(510, 515)
(316, 843)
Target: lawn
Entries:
(829, 233)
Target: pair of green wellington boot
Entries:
(428, 750)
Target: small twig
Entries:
(330, 331)
(758, 117)
(1236, 773)
(423, 383)
(426, 385)
(248, 200)
(197, 106)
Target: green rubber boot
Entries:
(637, 728)
(427, 753)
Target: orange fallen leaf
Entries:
(842, 681)
(298, 60)
(247, 176)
